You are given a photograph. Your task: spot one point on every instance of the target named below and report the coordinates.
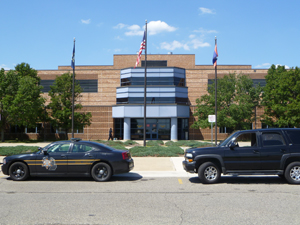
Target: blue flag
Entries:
(73, 57)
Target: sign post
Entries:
(211, 119)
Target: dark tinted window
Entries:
(294, 135)
(155, 63)
(153, 100)
(272, 139)
(86, 85)
(165, 81)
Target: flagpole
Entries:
(73, 86)
(145, 85)
(216, 80)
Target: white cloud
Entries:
(268, 65)
(120, 26)
(174, 45)
(134, 30)
(264, 66)
(86, 21)
(4, 67)
(194, 43)
(206, 11)
(285, 66)
(198, 43)
(155, 27)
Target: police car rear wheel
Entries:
(101, 172)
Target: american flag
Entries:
(143, 44)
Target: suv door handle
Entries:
(255, 151)
(283, 150)
(63, 156)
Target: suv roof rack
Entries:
(75, 139)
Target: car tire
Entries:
(292, 173)
(101, 172)
(18, 171)
(209, 173)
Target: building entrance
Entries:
(151, 131)
(156, 129)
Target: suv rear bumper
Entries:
(189, 166)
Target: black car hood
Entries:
(206, 149)
(19, 156)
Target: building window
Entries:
(156, 81)
(17, 129)
(155, 63)
(118, 128)
(59, 130)
(262, 82)
(156, 129)
(153, 100)
(36, 129)
(88, 86)
(225, 130)
(183, 129)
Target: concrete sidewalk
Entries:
(143, 166)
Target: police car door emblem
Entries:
(49, 164)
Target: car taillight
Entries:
(125, 155)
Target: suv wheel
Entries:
(209, 173)
(292, 173)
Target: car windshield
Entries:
(227, 140)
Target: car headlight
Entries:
(189, 157)
(4, 161)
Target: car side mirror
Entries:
(232, 145)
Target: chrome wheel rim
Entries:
(101, 172)
(211, 173)
(295, 173)
(18, 172)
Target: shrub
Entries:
(130, 142)
(155, 143)
(158, 151)
(7, 151)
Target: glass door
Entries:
(151, 131)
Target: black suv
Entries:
(249, 152)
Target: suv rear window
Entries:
(294, 135)
(272, 139)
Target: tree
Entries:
(281, 97)
(61, 104)
(20, 99)
(236, 99)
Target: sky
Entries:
(254, 32)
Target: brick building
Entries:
(112, 93)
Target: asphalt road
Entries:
(150, 200)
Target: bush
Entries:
(7, 151)
(154, 143)
(189, 143)
(157, 151)
(130, 142)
